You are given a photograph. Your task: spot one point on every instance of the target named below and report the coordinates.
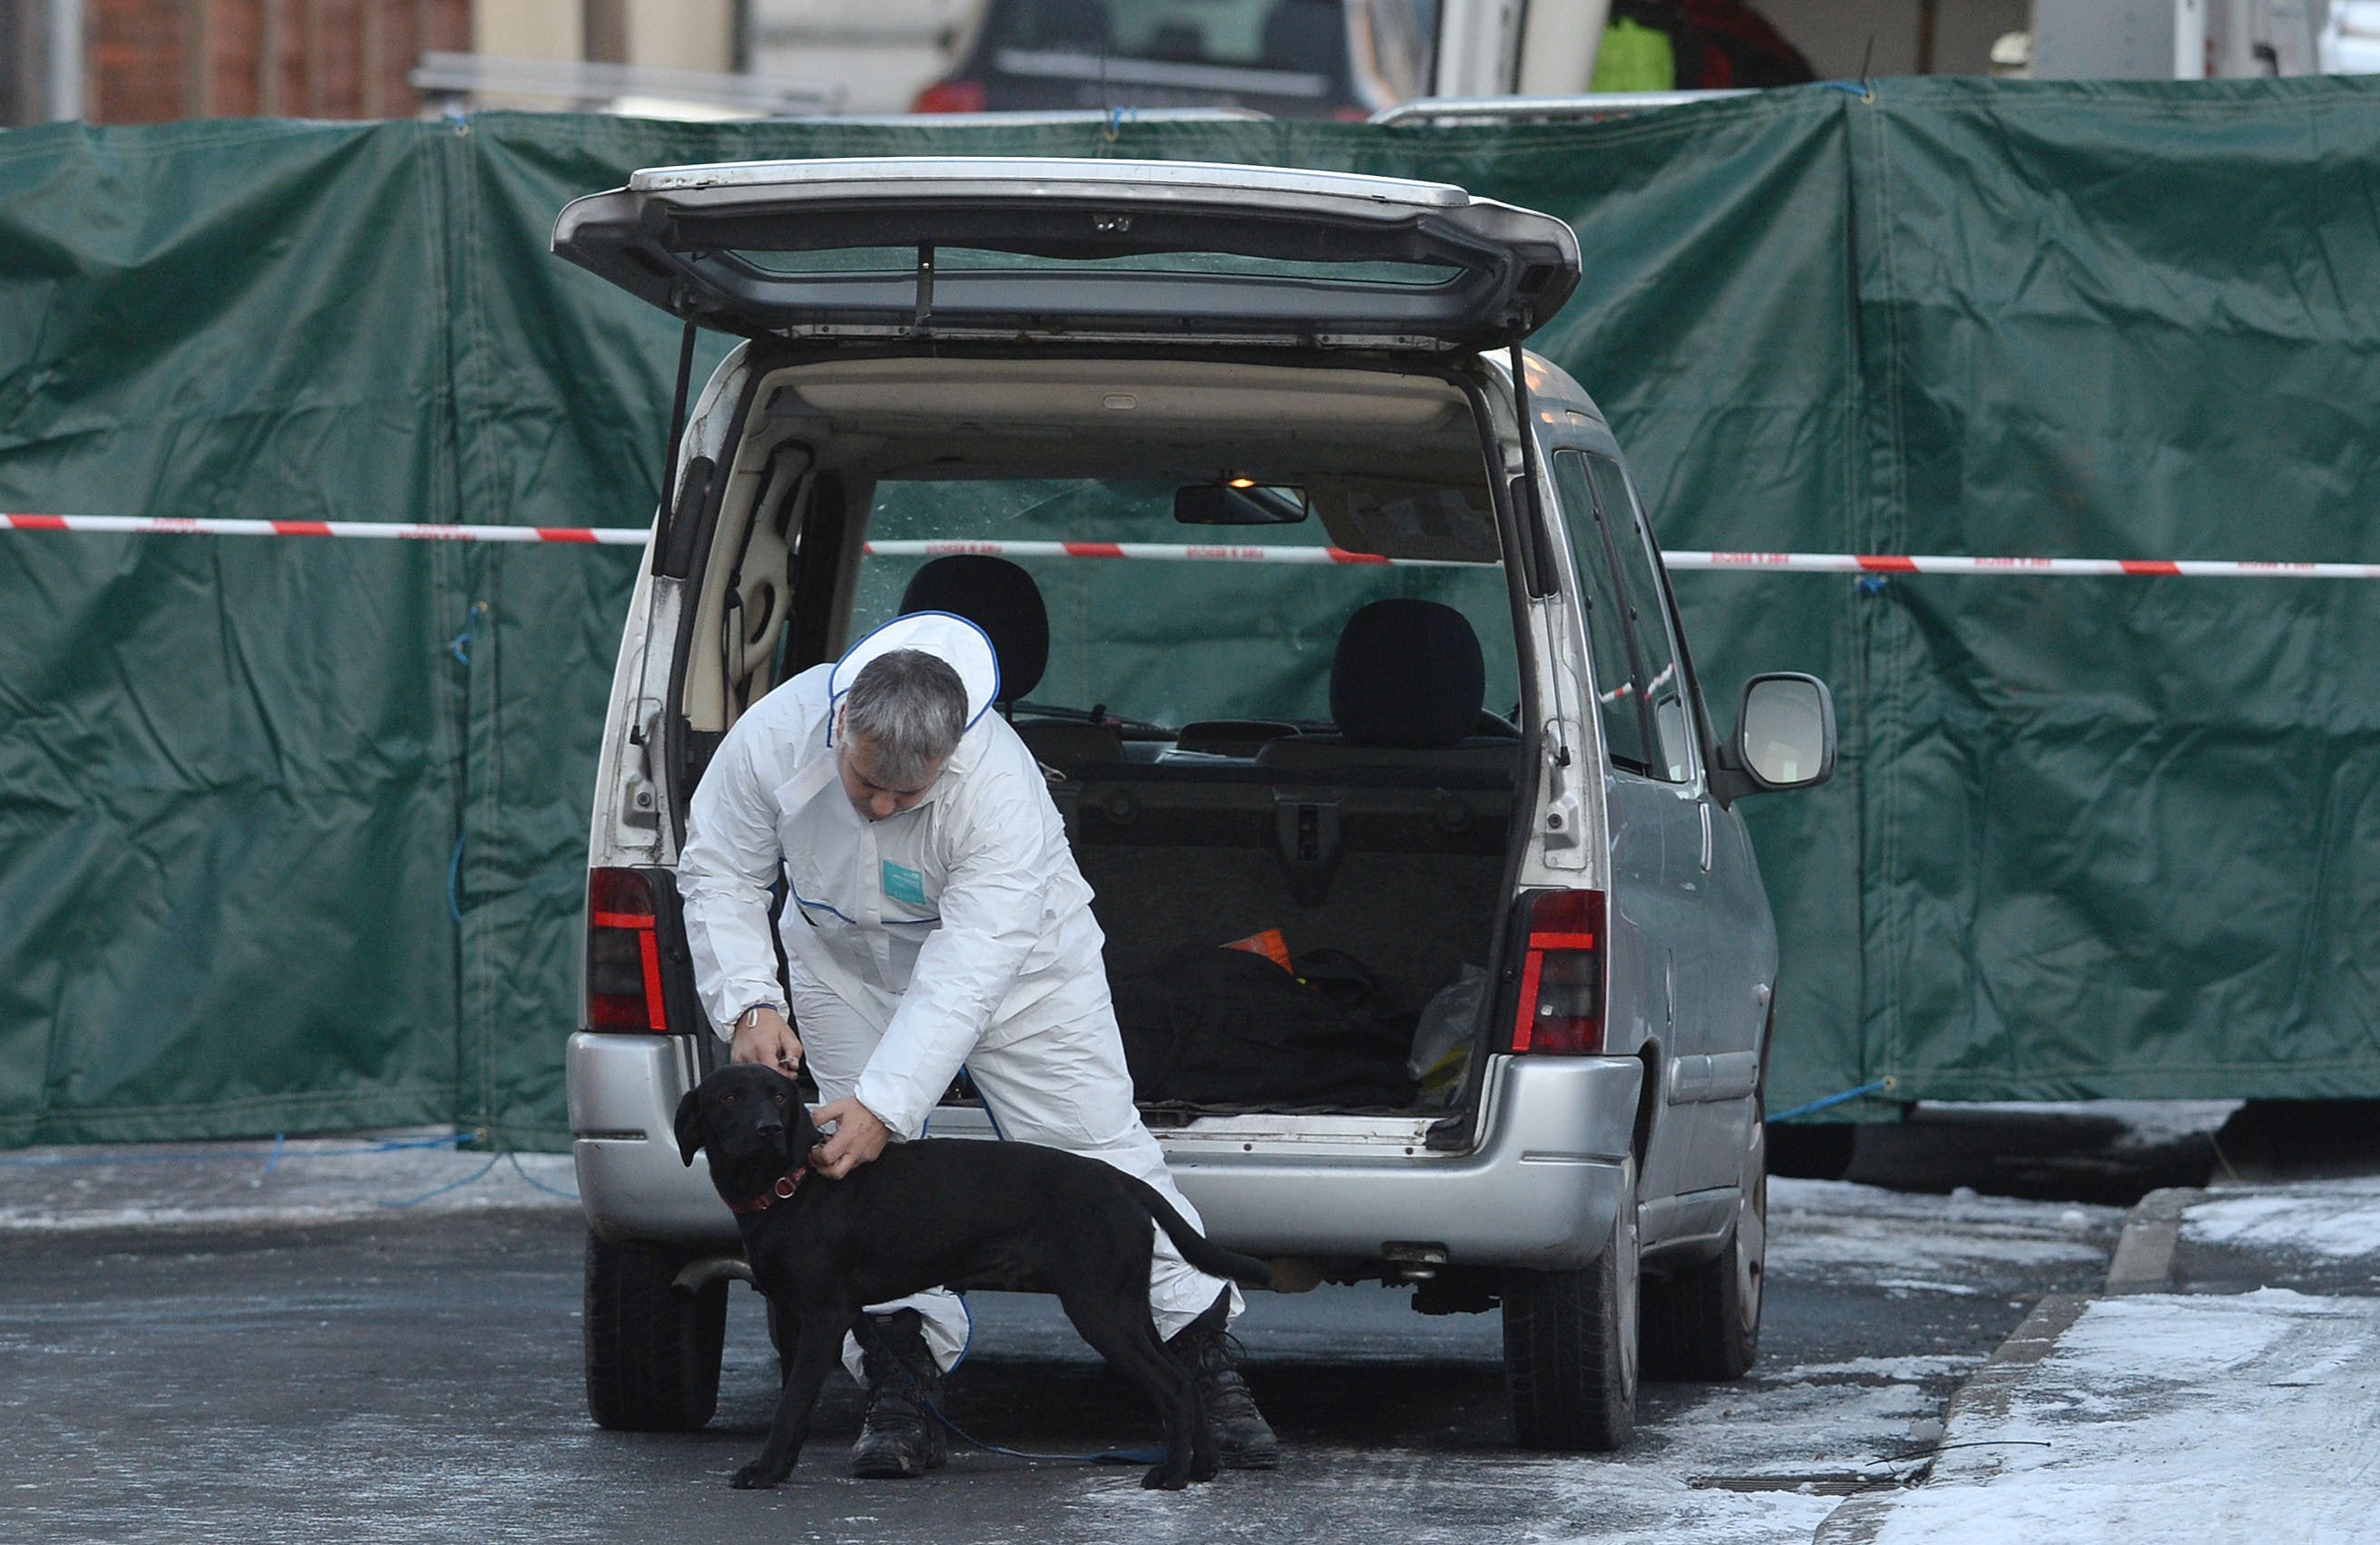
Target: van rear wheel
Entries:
(1705, 1322)
(652, 1352)
(1571, 1345)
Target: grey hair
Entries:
(911, 707)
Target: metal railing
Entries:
(1034, 118)
(588, 84)
(1541, 109)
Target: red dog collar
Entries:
(781, 1191)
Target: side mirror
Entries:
(1784, 738)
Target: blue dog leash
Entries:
(872, 1341)
(917, 1391)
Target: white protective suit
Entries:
(957, 933)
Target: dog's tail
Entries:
(1196, 1247)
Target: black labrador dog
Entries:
(993, 1214)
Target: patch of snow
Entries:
(246, 1185)
(2147, 1123)
(1735, 1463)
(2338, 1218)
(1901, 1369)
(2159, 1417)
(1608, 1500)
(1824, 1228)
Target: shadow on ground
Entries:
(2083, 1152)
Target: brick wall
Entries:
(154, 60)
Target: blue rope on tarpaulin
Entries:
(1885, 1085)
(270, 1156)
(274, 1156)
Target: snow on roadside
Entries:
(2334, 1218)
(1762, 1461)
(2144, 1123)
(1827, 1226)
(300, 1181)
(2171, 1417)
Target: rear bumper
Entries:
(624, 1095)
(1540, 1191)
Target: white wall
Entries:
(682, 34)
(528, 29)
(1834, 33)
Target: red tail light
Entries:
(951, 96)
(1561, 1012)
(623, 956)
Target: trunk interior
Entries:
(1255, 737)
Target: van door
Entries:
(1655, 832)
(1712, 1077)
(1042, 249)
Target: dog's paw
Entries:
(1164, 1478)
(759, 1476)
(1206, 1466)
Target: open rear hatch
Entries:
(1074, 251)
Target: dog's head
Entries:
(744, 1112)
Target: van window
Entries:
(1662, 680)
(1620, 705)
(1170, 642)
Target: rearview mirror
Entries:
(1785, 735)
(1239, 503)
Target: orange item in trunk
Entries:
(1269, 943)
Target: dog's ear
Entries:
(690, 1126)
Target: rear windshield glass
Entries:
(1171, 623)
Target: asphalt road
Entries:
(419, 1380)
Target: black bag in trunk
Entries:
(1224, 1026)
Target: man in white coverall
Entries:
(935, 919)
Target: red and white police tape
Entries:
(1784, 562)
(131, 525)
(1789, 562)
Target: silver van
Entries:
(1424, 706)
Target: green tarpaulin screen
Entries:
(292, 832)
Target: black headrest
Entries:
(1407, 673)
(997, 597)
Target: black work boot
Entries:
(1227, 1412)
(901, 1438)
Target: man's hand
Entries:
(762, 1036)
(859, 1137)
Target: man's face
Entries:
(874, 796)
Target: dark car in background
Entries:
(1286, 59)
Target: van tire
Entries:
(1571, 1345)
(652, 1352)
(1704, 1323)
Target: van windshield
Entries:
(1172, 624)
